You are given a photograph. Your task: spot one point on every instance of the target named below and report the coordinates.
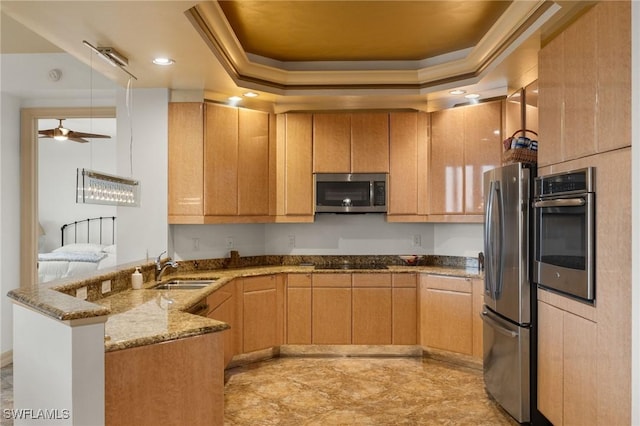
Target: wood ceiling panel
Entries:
(359, 30)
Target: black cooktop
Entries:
(352, 266)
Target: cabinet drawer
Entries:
(371, 280)
(299, 280)
(260, 283)
(405, 280)
(216, 298)
(331, 280)
(462, 285)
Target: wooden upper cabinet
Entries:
(465, 142)
(186, 160)
(221, 160)
(580, 87)
(236, 152)
(482, 150)
(585, 86)
(298, 160)
(403, 155)
(332, 143)
(351, 142)
(370, 142)
(253, 162)
(446, 167)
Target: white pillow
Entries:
(109, 249)
(83, 247)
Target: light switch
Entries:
(106, 286)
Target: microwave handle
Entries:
(561, 202)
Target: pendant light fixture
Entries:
(94, 187)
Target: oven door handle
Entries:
(561, 202)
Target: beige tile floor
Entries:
(347, 391)
(358, 391)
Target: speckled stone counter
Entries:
(148, 316)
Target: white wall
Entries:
(328, 235)
(9, 213)
(143, 231)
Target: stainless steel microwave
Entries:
(351, 192)
(565, 233)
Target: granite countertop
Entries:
(147, 316)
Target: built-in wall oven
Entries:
(564, 206)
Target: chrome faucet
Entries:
(160, 268)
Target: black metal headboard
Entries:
(101, 225)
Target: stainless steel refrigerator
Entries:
(508, 294)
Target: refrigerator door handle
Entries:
(496, 326)
(494, 252)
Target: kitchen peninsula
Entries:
(152, 347)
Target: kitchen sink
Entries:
(184, 284)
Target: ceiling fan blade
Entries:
(77, 139)
(73, 134)
(46, 133)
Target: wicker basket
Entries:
(520, 155)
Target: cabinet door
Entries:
(478, 302)
(580, 380)
(613, 109)
(447, 162)
(551, 102)
(404, 321)
(331, 321)
(260, 313)
(482, 150)
(550, 364)
(403, 163)
(298, 197)
(253, 163)
(370, 142)
(580, 84)
(372, 316)
(221, 160)
(226, 312)
(299, 309)
(332, 143)
(186, 127)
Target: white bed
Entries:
(78, 258)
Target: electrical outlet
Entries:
(229, 242)
(81, 293)
(292, 241)
(106, 286)
(417, 240)
(196, 244)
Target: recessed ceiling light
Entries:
(457, 92)
(250, 94)
(235, 98)
(164, 61)
(472, 96)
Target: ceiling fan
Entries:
(61, 133)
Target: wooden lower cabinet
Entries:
(298, 309)
(331, 309)
(371, 316)
(262, 318)
(179, 382)
(404, 309)
(476, 319)
(446, 313)
(222, 307)
(567, 390)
